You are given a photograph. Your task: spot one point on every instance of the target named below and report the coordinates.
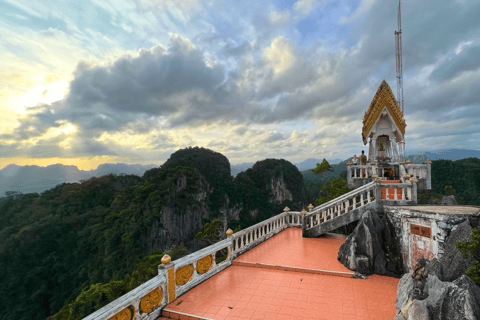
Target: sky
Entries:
(132, 81)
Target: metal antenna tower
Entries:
(398, 47)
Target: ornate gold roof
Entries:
(383, 98)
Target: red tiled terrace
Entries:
(289, 277)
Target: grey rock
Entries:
(363, 251)
(453, 263)
(279, 191)
(181, 184)
(448, 201)
(435, 268)
(455, 300)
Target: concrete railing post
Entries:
(168, 269)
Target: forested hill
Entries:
(54, 245)
(463, 175)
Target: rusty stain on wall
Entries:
(422, 244)
(421, 231)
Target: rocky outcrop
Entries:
(452, 264)
(457, 300)
(279, 191)
(370, 248)
(445, 201)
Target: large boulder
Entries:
(452, 264)
(457, 300)
(368, 249)
(445, 201)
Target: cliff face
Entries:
(279, 192)
(177, 225)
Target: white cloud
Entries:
(279, 18)
(280, 55)
(363, 9)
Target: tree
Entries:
(323, 168)
(212, 233)
(472, 250)
(332, 189)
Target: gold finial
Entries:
(286, 209)
(414, 180)
(229, 232)
(310, 206)
(428, 161)
(407, 176)
(375, 176)
(372, 163)
(304, 212)
(408, 162)
(166, 259)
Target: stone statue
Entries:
(420, 276)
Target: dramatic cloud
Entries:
(136, 80)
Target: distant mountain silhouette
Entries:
(453, 154)
(30, 179)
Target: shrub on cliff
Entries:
(472, 250)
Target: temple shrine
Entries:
(384, 132)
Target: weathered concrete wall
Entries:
(357, 183)
(414, 246)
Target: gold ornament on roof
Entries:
(286, 209)
(151, 301)
(310, 206)
(229, 232)
(384, 98)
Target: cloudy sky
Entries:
(132, 81)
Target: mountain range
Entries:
(28, 179)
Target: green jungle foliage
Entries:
(212, 233)
(460, 178)
(315, 182)
(472, 250)
(78, 246)
(323, 168)
(463, 175)
(333, 189)
(101, 294)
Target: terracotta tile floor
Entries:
(290, 249)
(241, 292)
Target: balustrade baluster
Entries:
(396, 195)
(354, 202)
(368, 197)
(409, 191)
(361, 199)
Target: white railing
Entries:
(419, 171)
(147, 300)
(339, 206)
(246, 239)
(199, 266)
(363, 171)
(401, 191)
(136, 304)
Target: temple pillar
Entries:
(373, 143)
(395, 150)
